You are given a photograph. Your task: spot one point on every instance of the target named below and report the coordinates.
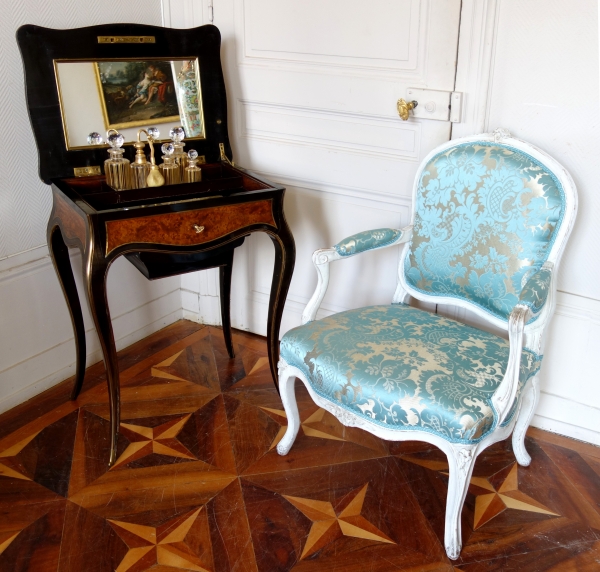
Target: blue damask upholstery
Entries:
(406, 369)
(536, 290)
(486, 217)
(367, 240)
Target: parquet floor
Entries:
(198, 484)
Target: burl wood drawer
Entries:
(188, 228)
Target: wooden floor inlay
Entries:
(198, 484)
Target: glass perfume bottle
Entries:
(116, 167)
(140, 166)
(180, 157)
(168, 168)
(193, 173)
(144, 174)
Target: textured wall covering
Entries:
(24, 200)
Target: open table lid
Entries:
(41, 47)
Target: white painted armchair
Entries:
(492, 215)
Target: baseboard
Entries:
(37, 349)
(566, 429)
(568, 417)
(46, 361)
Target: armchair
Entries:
(492, 215)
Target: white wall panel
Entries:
(365, 280)
(383, 34)
(532, 67)
(24, 200)
(337, 131)
(37, 348)
(545, 88)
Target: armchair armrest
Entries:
(367, 240)
(536, 290)
(350, 246)
(533, 297)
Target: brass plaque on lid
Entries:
(126, 39)
(87, 171)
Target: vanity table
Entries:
(163, 230)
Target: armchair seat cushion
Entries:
(406, 369)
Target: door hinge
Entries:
(435, 104)
(211, 11)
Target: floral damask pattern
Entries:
(367, 240)
(536, 290)
(486, 217)
(405, 369)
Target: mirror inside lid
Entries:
(96, 96)
(124, 77)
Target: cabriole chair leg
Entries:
(461, 460)
(287, 390)
(528, 406)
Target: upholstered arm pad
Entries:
(536, 290)
(367, 240)
(355, 244)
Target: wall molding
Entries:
(52, 359)
(48, 360)
(546, 418)
(24, 263)
(352, 195)
(338, 64)
(578, 307)
(186, 13)
(406, 136)
(476, 52)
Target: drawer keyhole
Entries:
(198, 228)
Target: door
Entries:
(312, 89)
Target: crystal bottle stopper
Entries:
(94, 138)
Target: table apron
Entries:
(188, 228)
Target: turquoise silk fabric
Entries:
(406, 369)
(486, 217)
(536, 290)
(367, 240)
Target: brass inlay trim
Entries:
(126, 40)
(87, 171)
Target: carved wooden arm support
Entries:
(504, 396)
(536, 292)
(350, 246)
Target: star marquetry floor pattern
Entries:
(198, 484)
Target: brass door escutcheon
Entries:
(404, 107)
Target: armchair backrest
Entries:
(489, 211)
